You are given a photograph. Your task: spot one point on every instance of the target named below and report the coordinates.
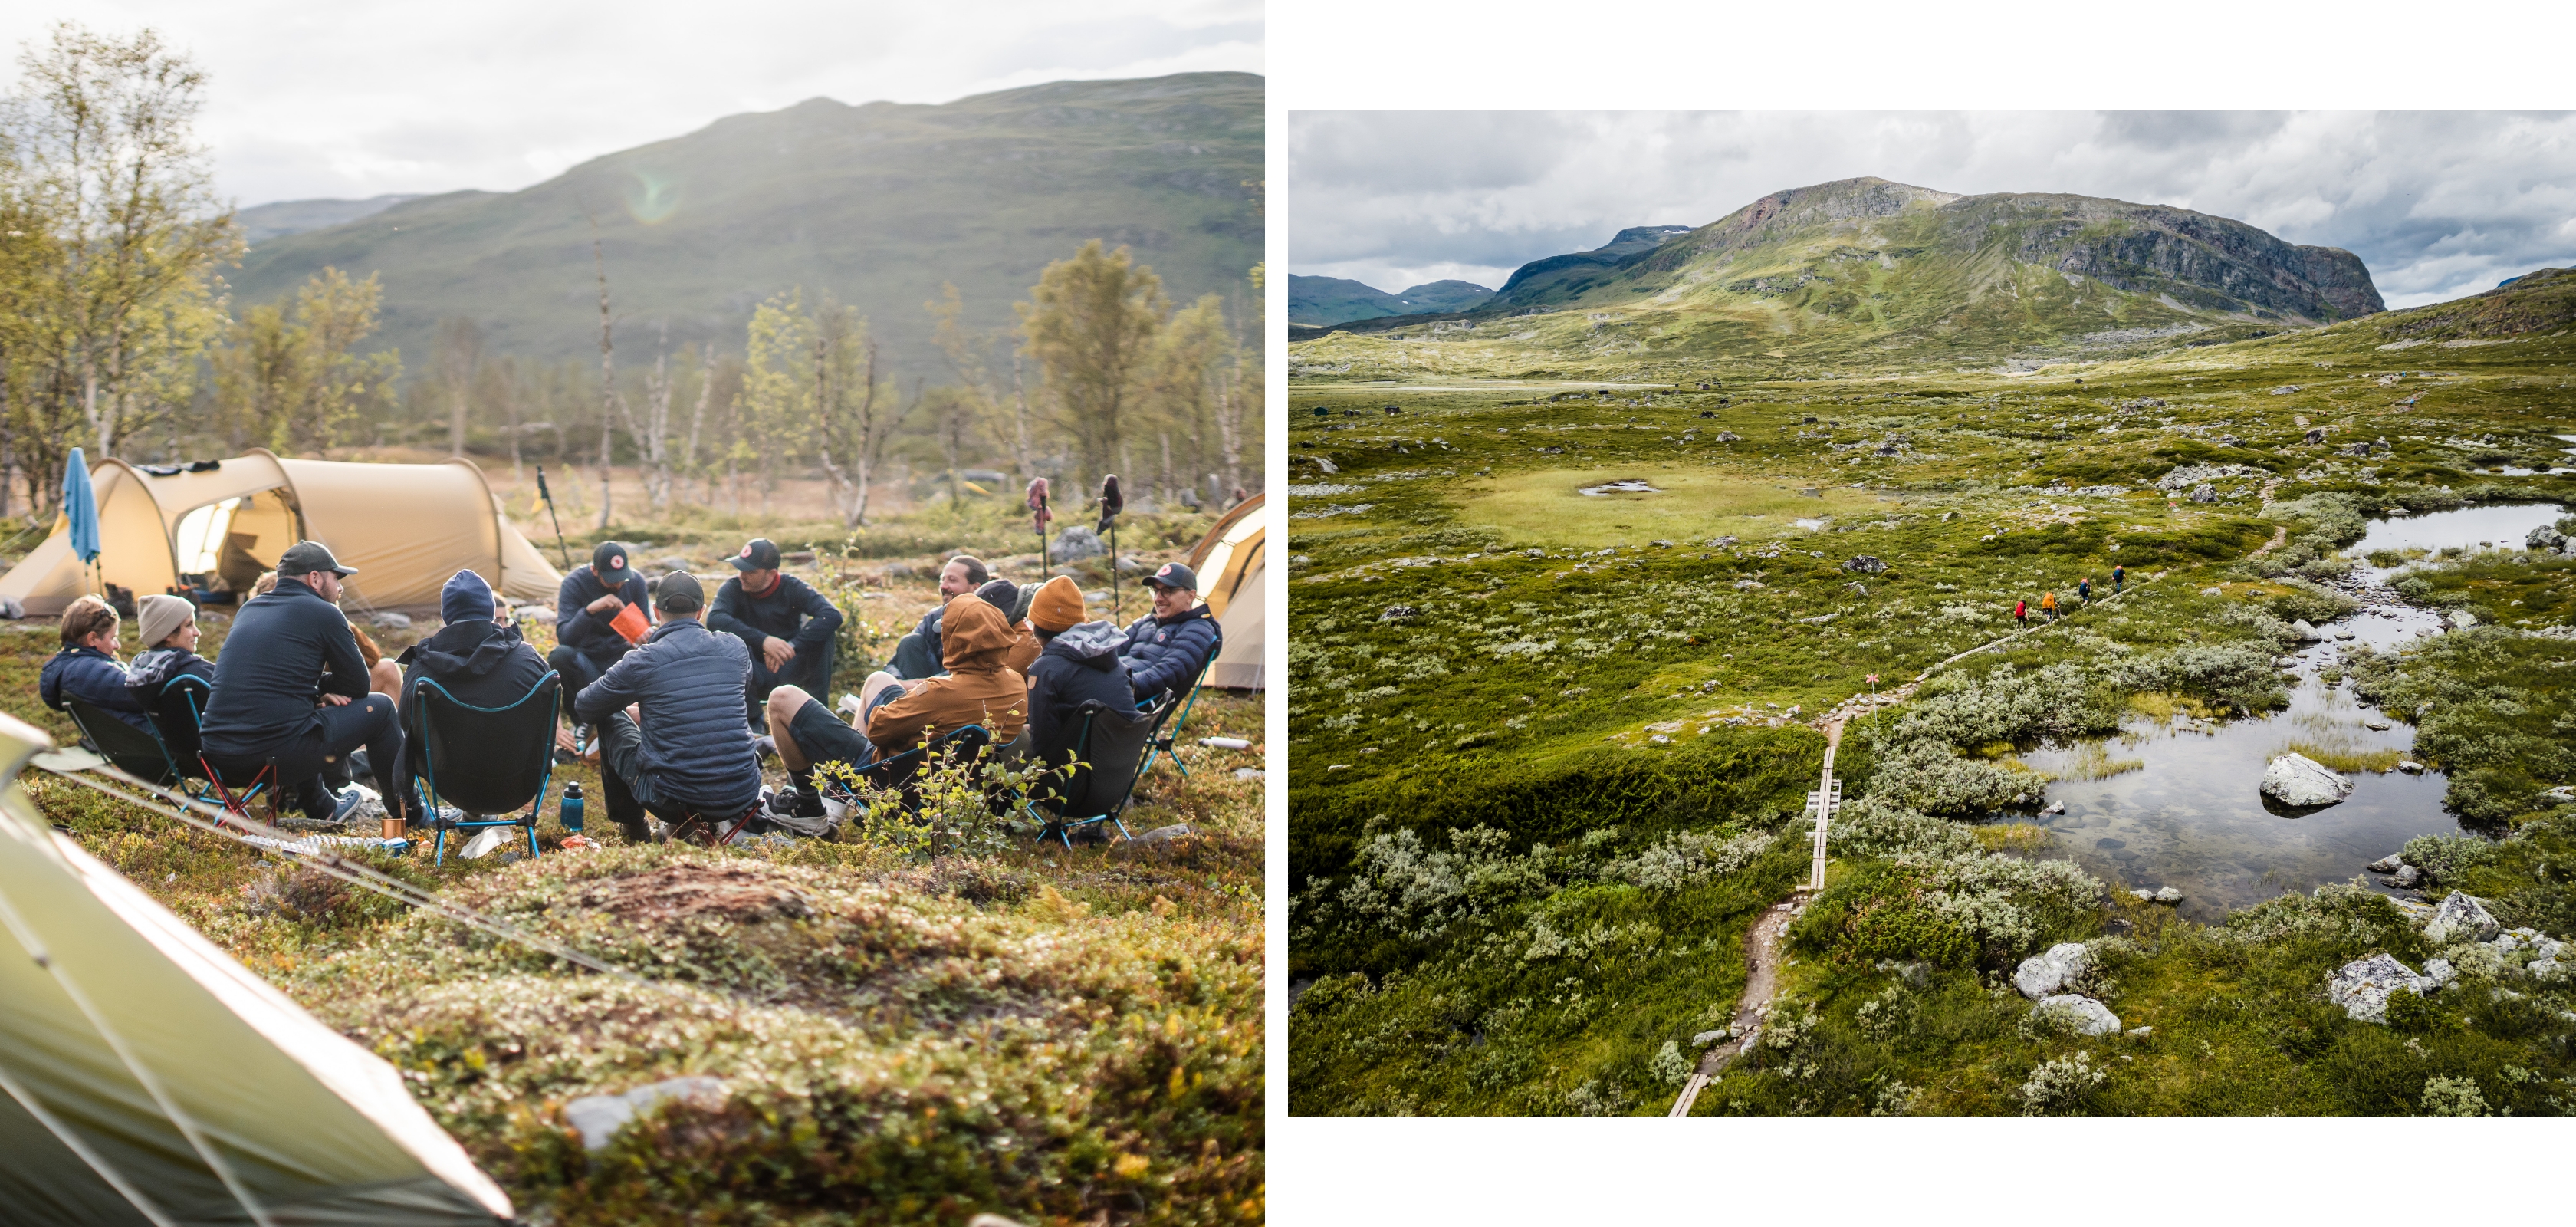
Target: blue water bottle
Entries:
(572, 808)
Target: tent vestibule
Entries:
(405, 527)
(1229, 564)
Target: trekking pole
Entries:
(1111, 503)
(1038, 508)
(549, 498)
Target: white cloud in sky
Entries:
(2437, 204)
(359, 98)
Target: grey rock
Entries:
(2143, 895)
(2315, 436)
(2168, 894)
(1864, 564)
(1130, 566)
(599, 1117)
(1706, 1038)
(2544, 538)
(2057, 967)
(2385, 864)
(2054, 807)
(2139, 1033)
(1746, 584)
(1178, 830)
(2407, 877)
(1719, 543)
(2285, 389)
(2410, 766)
(1076, 543)
(1399, 613)
(2204, 493)
(2377, 723)
(898, 570)
(2460, 914)
(12, 608)
(2362, 986)
(2305, 632)
(2080, 1014)
(2299, 781)
(1726, 436)
(2440, 972)
(669, 563)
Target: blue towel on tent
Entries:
(80, 508)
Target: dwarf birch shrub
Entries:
(2453, 1097)
(1926, 776)
(2009, 705)
(2445, 857)
(2062, 1087)
(1878, 827)
(2010, 906)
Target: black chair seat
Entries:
(485, 761)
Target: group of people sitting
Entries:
(677, 696)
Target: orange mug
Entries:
(393, 827)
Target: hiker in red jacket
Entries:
(2021, 613)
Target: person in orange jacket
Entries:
(2048, 605)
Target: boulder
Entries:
(2363, 985)
(2060, 966)
(2082, 1015)
(2544, 537)
(2410, 766)
(2204, 493)
(2460, 915)
(2301, 782)
(2379, 724)
(598, 1117)
(2440, 972)
(1720, 543)
(2385, 864)
(1864, 564)
(1075, 543)
(2306, 632)
(2463, 619)
(2315, 436)
(2407, 877)
(1399, 613)
(2168, 894)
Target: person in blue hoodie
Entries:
(477, 658)
(87, 667)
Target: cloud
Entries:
(2436, 204)
(356, 99)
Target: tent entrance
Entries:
(231, 542)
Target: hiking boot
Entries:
(346, 807)
(794, 802)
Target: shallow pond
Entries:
(2190, 814)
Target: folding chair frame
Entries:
(1062, 829)
(426, 782)
(1160, 741)
(169, 761)
(235, 806)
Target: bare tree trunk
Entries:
(698, 417)
(1228, 433)
(607, 381)
(1023, 448)
(1169, 494)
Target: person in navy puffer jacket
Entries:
(1168, 647)
(87, 667)
(683, 748)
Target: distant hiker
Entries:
(2084, 589)
(896, 715)
(2048, 605)
(588, 608)
(87, 666)
(789, 627)
(1168, 647)
(2119, 579)
(2021, 612)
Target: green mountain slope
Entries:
(879, 204)
(1868, 273)
(280, 218)
(1319, 301)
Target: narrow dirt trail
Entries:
(1762, 963)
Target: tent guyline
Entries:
(353, 873)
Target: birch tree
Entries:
(1090, 323)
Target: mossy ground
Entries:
(1468, 663)
(1055, 1035)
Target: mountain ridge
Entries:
(1323, 301)
(878, 203)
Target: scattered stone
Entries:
(2306, 632)
(1864, 564)
(1076, 543)
(2462, 619)
(2407, 877)
(1726, 436)
(1745, 584)
(1811, 492)
(2082, 1015)
(2204, 493)
(2055, 807)
(2118, 927)
(1178, 830)
(2544, 537)
(2363, 985)
(2168, 894)
(2057, 967)
(1706, 1038)
(674, 562)
(2139, 1033)
(2301, 782)
(1399, 613)
(598, 1117)
(2440, 972)
(2460, 914)
(1719, 543)
(2285, 389)
(2376, 723)
(2410, 766)
(2385, 864)
(2315, 436)
(2212, 592)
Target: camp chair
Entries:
(1107, 756)
(712, 832)
(235, 794)
(1159, 741)
(896, 771)
(138, 752)
(486, 761)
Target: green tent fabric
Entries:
(147, 1078)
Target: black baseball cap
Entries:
(1174, 575)
(760, 555)
(308, 557)
(679, 592)
(608, 562)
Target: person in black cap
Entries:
(590, 598)
(671, 740)
(292, 685)
(1168, 647)
(788, 626)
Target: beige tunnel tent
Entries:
(1228, 562)
(405, 527)
(147, 1078)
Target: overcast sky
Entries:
(2436, 204)
(354, 98)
